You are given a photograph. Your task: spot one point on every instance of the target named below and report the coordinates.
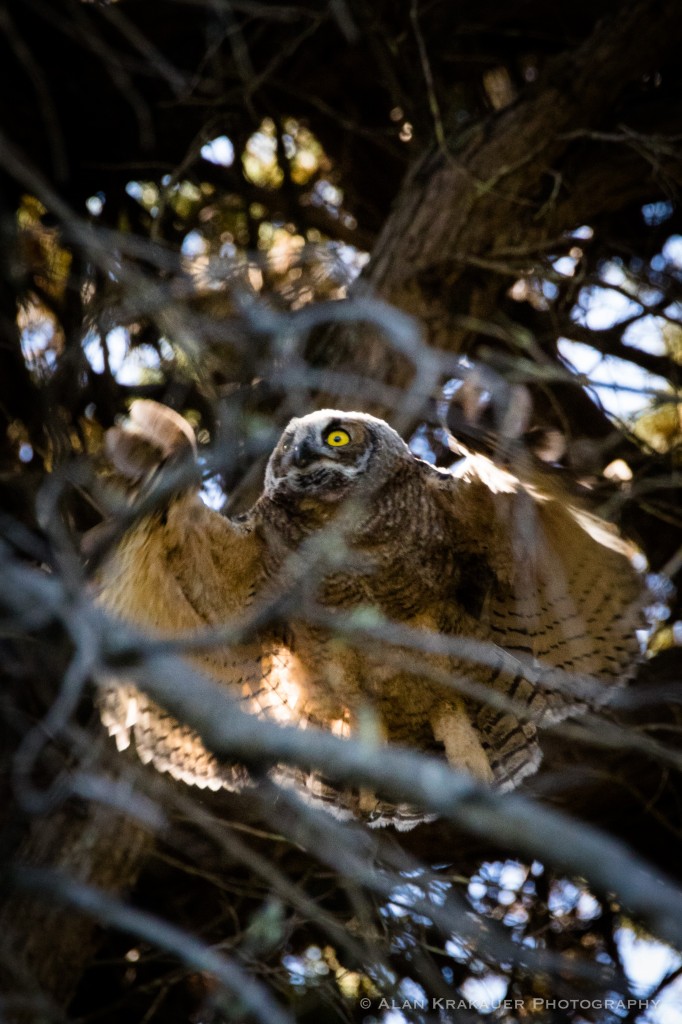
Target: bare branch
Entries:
(232, 979)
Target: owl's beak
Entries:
(303, 454)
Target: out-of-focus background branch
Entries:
(463, 218)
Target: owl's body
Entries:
(351, 523)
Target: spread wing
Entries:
(563, 598)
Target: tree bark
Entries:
(491, 197)
(44, 947)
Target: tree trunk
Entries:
(45, 948)
(498, 200)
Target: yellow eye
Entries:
(338, 438)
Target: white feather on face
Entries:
(322, 454)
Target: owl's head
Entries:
(327, 453)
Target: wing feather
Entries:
(564, 599)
